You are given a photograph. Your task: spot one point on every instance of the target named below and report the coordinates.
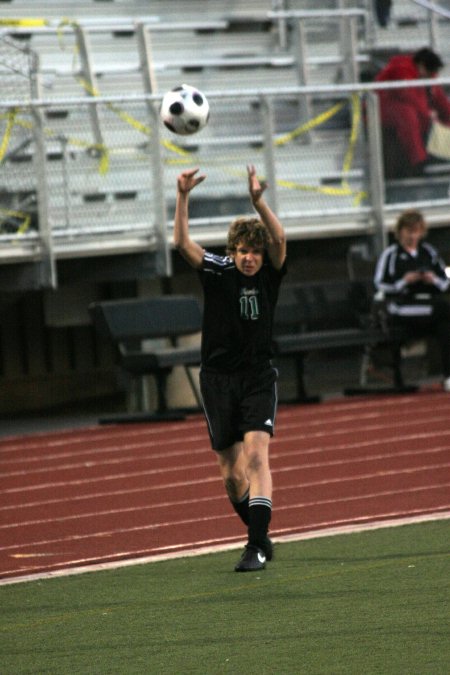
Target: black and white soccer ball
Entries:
(184, 110)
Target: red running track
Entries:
(110, 493)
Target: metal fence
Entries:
(62, 194)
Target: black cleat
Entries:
(252, 560)
(268, 549)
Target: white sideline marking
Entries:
(218, 548)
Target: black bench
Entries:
(325, 315)
(131, 323)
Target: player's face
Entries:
(409, 237)
(248, 259)
(425, 73)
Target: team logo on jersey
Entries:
(249, 305)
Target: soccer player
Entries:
(237, 380)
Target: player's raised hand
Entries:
(187, 180)
(255, 186)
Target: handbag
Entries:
(439, 141)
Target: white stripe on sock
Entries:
(260, 501)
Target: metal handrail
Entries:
(337, 89)
(433, 7)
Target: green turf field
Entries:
(373, 602)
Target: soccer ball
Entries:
(184, 110)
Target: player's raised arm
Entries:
(277, 247)
(188, 248)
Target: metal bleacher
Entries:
(88, 170)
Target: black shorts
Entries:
(235, 403)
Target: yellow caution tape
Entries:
(129, 119)
(11, 116)
(328, 190)
(303, 128)
(344, 189)
(103, 166)
(356, 119)
(24, 23)
(6, 213)
(348, 160)
(122, 114)
(26, 124)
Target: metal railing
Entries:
(86, 173)
(326, 175)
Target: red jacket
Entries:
(407, 111)
(402, 67)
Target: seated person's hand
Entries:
(428, 277)
(413, 277)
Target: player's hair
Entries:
(248, 230)
(431, 61)
(410, 218)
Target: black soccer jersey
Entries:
(238, 314)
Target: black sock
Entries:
(241, 508)
(260, 513)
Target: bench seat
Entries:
(142, 362)
(145, 333)
(322, 315)
(326, 339)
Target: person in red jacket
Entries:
(407, 113)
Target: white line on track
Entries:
(167, 437)
(354, 406)
(208, 465)
(331, 435)
(278, 488)
(205, 519)
(96, 451)
(303, 531)
(304, 419)
(209, 455)
(353, 460)
(148, 488)
(351, 411)
(210, 458)
(118, 530)
(74, 436)
(319, 530)
(140, 508)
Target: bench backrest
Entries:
(162, 316)
(323, 305)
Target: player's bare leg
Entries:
(248, 483)
(256, 451)
(232, 463)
